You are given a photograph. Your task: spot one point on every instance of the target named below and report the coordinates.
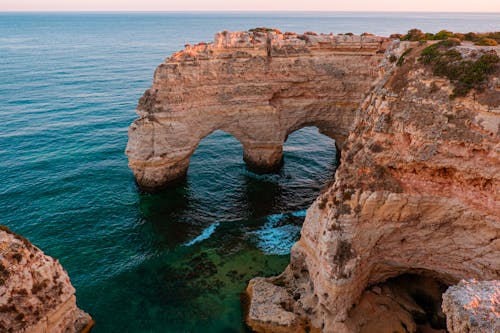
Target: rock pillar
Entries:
(156, 177)
(262, 158)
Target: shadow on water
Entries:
(210, 235)
(261, 195)
(165, 215)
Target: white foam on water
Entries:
(300, 213)
(205, 234)
(278, 240)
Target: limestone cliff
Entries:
(417, 191)
(415, 205)
(257, 86)
(36, 295)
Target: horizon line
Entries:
(245, 11)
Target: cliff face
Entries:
(36, 295)
(415, 205)
(417, 191)
(257, 86)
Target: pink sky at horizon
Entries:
(490, 6)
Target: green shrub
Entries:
(494, 35)
(443, 34)
(450, 42)
(474, 37)
(414, 35)
(433, 52)
(471, 36)
(486, 42)
(428, 36)
(263, 29)
(464, 74)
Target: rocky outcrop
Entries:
(36, 295)
(257, 86)
(417, 191)
(473, 306)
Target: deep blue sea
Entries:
(178, 260)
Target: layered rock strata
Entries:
(36, 295)
(473, 306)
(417, 191)
(257, 86)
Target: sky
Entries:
(252, 5)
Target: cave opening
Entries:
(411, 302)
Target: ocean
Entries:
(176, 261)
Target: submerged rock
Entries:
(36, 295)
(269, 309)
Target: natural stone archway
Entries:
(417, 191)
(418, 187)
(257, 86)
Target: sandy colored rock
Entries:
(418, 186)
(269, 309)
(36, 295)
(473, 307)
(417, 191)
(259, 87)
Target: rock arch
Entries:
(416, 192)
(257, 86)
(418, 184)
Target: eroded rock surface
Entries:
(417, 191)
(257, 86)
(36, 295)
(473, 307)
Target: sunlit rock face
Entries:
(257, 86)
(36, 295)
(417, 191)
(473, 306)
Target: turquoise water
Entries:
(176, 261)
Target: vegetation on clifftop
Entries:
(264, 29)
(465, 74)
(482, 39)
